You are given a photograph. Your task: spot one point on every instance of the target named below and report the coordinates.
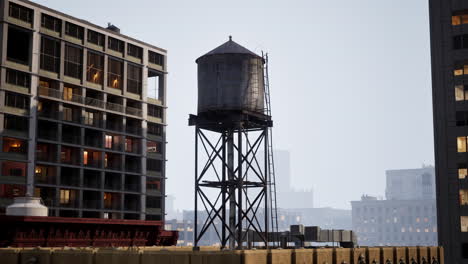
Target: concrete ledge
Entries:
(213, 255)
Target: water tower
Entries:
(234, 172)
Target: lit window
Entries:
(418, 220)
(456, 20)
(64, 196)
(426, 230)
(128, 145)
(67, 93)
(464, 223)
(109, 140)
(403, 230)
(459, 93)
(463, 197)
(462, 172)
(461, 144)
(458, 72)
(85, 157)
(418, 230)
(89, 118)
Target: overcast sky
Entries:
(350, 81)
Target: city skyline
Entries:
(336, 102)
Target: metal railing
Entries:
(49, 92)
(133, 111)
(73, 98)
(94, 102)
(115, 107)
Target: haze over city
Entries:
(350, 82)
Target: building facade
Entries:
(449, 50)
(406, 218)
(82, 116)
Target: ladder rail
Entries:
(271, 181)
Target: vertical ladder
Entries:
(271, 164)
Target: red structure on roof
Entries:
(32, 231)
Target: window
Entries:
(153, 165)
(128, 145)
(96, 38)
(459, 18)
(67, 114)
(95, 68)
(155, 129)
(133, 79)
(462, 171)
(134, 51)
(50, 54)
(155, 111)
(153, 146)
(51, 23)
(463, 197)
(461, 144)
(73, 61)
(18, 78)
(461, 68)
(115, 44)
(14, 145)
(20, 12)
(16, 100)
(109, 140)
(18, 45)
(461, 92)
(67, 196)
(460, 41)
(461, 118)
(114, 75)
(464, 223)
(17, 123)
(155, 58)
(153, 202)
(153, 184)
(11, 168)
(67, 93)
(12, 190)
(73, 30)
(89, 118)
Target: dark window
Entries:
(153, 202)
(155, 129)
(16, 100)
(153, 146)
(154, 218)
(153, 165)
(95, 67)
(17, 123)
(465, 250)
(50, 54)
(11, 168)
(73, 61)
(460, 42)
(155, 58)
(20, 12)
(114, 74)
(134, 51)
(95, 38)
(18, 78)
(461, 118)
(155, 111)
(153, 184)
(51, 23)
(115, 44)
(18, 46)
(133, 79)
(73, 30)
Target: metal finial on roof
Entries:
(230, 38)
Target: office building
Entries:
(406, 218)
(82, 116)
(449, 57)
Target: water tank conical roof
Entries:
(229, 47)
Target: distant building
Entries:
(406, 218)
(288, 197)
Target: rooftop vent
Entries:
(112, 27)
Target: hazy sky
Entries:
(350, 81)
